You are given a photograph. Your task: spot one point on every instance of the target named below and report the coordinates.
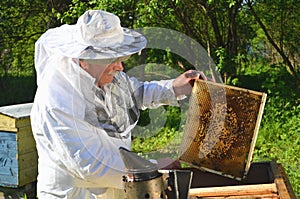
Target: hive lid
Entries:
(16, 111)
(221, 128)
(14, 117)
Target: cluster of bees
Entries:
(222, 120)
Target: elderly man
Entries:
(86, 106)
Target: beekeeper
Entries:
(85, 106)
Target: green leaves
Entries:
(20, 24)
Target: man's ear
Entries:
(83, 64)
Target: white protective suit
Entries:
(79, 127)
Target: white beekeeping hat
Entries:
(96, 35)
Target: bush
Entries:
(17, 89)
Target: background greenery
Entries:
(255, 44)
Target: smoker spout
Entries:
(142, 179)
(138, 168)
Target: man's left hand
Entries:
(184, 83)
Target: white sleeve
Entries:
(88, 152)
(154, 93)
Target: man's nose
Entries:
(118, 66)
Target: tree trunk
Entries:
(273, 43)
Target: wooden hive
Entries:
(266, 180)
(221, 128)
(18, 155)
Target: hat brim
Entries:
(133, 42)
(63, 40)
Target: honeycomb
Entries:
(221, 128)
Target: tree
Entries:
(21, 24)
(279, 21)
(225, 28)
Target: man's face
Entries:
(103, 73)
(109, 73)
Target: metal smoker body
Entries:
(153, 188)
(143, 180)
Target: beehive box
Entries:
(221, 128)
(265, 180)
(18, 155)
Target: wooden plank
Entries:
(8, 153)
(265, 196)
(12, 125)
(4, 136)
(9, 171)
(24, 131)
(8, 162)
(7, 144)
(26, 141)
(23, 122)
(8, 181)
(25, 145)
(7, 123)
(287, 182)
(27, 160)
(282, 182)
(28, 175)
(255, 134)
(234, 88)
(238, 190)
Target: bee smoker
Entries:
(144, 181)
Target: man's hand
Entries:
(184, 83)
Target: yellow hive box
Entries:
(18, 155)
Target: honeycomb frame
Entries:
(221, 128)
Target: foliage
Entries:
(157, 135)
(279, 21)
(76, 8)
(21, 24)
(15, 17)
(17, 90)
(153, 143)
(221, 54)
